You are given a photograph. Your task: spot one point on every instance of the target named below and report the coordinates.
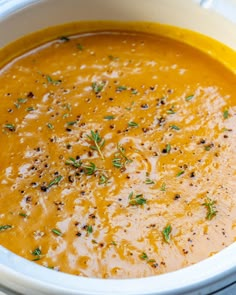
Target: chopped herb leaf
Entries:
(174, 127)
(5, 227)
(67, 106)
(190, 97)
(130, 195)
(89, 229)
(10, 127)
(89, 169)
(56, 232)
(134, 91)
(208, 147)
(51, 81)
(36, 252)
(50, 126)
(29, 109)
(149, 181)
(103, 179)
(120, 159)
(166, 233)
(80, 47)
(98, 141)
(121, 88)
(143, 256)
(22, 100)
(137, 200)
(109, 117)
(98, 87)
(54, 181)
(133, 124)
(168, 148)
(73, 162)
(121, 150)
(71, 123)
(163, 187)
(180, 173)
(226, 114)
(117, 162)
(170, 111)
(211, 209)
(23, 215)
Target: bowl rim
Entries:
(17, 271)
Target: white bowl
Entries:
(19, 17)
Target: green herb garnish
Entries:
(190, 97)
(89, 229)
(166, 233)
(22, 100)
(211, 209)
(171, 111)
(120, 159)
(54, 181)
(168, 148)
(29, 109)
(98, 142)
(163, 187)
(71, 123)
(50, 126)
(121, 150)
(103, 179)
(51, 81)
(117, 162)
(109, 117)
(180, 173)
(149, 181)
(121, 88)
(80, 46)
(10, 127)
(98, 87)
(90, 168)
(5, 227)
(174, 127)
(134, 91)
(143, 256)
(23, 215)
(73, 162)
(136, 200)
(56, 232)
(133, 124)
(36, 252)
(208, 147)
(226, 114)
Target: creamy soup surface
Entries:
(118, 155)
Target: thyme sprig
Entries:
(88, 169)
(166, 233)
(211, 209)
(120, 158)
(98, 142)
(136, 200)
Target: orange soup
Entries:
(118, 154)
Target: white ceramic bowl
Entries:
(212, 18)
